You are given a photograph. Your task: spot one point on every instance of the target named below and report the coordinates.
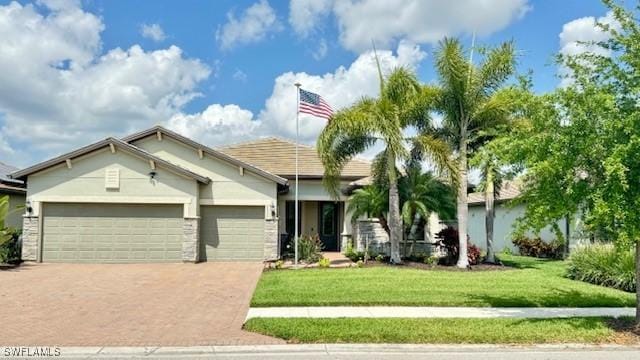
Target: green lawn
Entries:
(495, 331)
(531, 283)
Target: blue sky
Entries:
(219, 84)
(192, 25)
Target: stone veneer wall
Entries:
(30, 230)
(271, 239)
(190, 243)
(370, 230)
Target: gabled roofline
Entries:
(99, 145)
(215, 153)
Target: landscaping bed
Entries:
(531, 282)
(448, 331)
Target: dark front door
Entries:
(328, 225)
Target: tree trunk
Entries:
(463, 210)
(638, 284)
(490, 213)
(395, 225)
(413, 233)
(567, 235)
(384, 224)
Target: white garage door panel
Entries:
(112, 233)
(232, 232)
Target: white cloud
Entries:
(577, 34)
(240, 75)
(420, 21)
(60, 91)
(321, 51)
(305, 15)
(581, 36)
(340, 88)
(255, 23)
(217, 124)
(153, 32)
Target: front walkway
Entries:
(432, 312)
(128, 304)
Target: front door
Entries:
(328, 225)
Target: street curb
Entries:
(107, 352)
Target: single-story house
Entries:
(158, 196)
(506, 214)
(16, 192)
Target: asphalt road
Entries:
(369, 352)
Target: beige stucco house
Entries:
(157, 196)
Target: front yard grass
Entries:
(529, 283)
(446, 331)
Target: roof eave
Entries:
(221, 155)
(24, 173)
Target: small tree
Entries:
(580, 144)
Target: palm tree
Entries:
(370, 201)
(402, 103)
(470, 100)
(491, 180)
(422, 194)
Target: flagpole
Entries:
(296, 194)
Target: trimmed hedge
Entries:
(603, 264)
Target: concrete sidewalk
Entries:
(433, 312)
(361, 351)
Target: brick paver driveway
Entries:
(128, 305)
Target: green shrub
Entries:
(603, 264)
(309, 248)
(10, 251)
(537, 247)
(431, 260)
(279, 264)
(324, 262)
(380, 258)
(360, 263)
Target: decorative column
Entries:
(271, 239)
(30, 234)
(190, 239)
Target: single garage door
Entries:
(232, 232)
(112, 233)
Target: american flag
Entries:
(314, 104)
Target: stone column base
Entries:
(190, 240)
(30, 235)
(271, 239)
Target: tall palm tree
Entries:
(422, 194)
(471, 100)
(402, 103)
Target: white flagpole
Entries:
(296, 194)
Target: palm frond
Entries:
(439, 154)
(346, 135)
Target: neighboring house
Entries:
(157, 196)
(505, 218)
(17, 195)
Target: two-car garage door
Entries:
(126, 233)
(116, 233)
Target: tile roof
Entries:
(510, 190)
(278, 157)
(5, 170)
